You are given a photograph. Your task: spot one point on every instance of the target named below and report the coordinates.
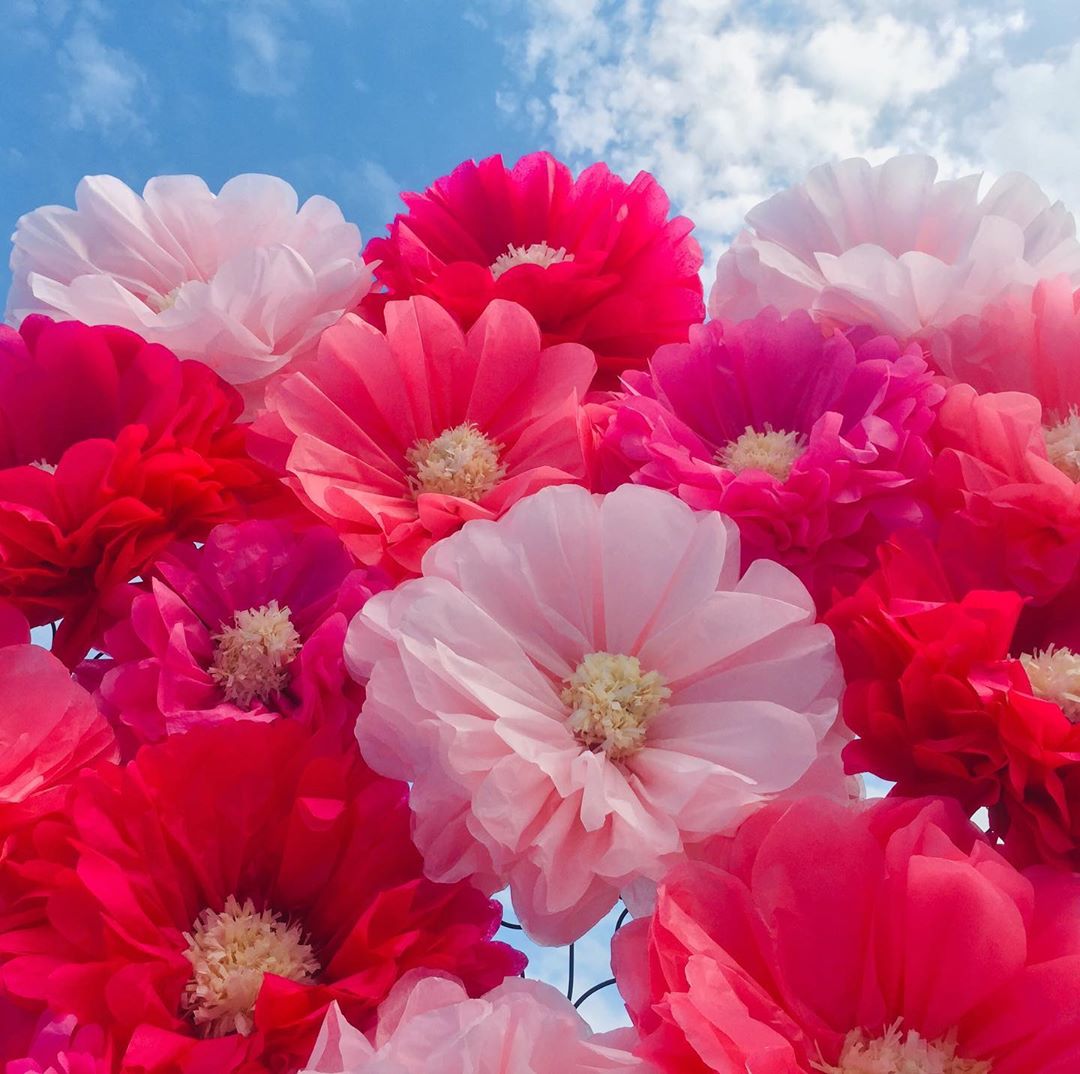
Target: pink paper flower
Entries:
(595, 260)
(58, 1046)
(395, 439)
(888, 246)
(1005, 490)
(249, 626)
(431, 1024)
(814, 444)
(242, 280)
(585, 688)
(887, 939)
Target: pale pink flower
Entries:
(431, 1024)
(586, 688)
(888, 246)
(244, 280)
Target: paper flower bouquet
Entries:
(482, 563)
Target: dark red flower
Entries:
(595, 260)
(259, 843)
(110, 449)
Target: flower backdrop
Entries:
(494, 574)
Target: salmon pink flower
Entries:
(242, 280)
(206, 904)
(397, 438)
(595, 260)
(825, 939)
(585, 688)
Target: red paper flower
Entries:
(207, 903)
(595, 260)
(887, 939)
(110, 448)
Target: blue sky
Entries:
(725, 100)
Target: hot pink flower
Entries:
(242, 280)
(595, 260)
(583, 689)
(1010, 517)
(58, 1046)
(397, 438)
(430, 1023)
(885, 939)
(888, 246)
(814, 444)
(249, 626)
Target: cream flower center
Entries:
(229, 954)
(1054, 675)
(460, 461)
(901, 1053)
(612, 701)
(161, 303)
(251, 657)
(1063, 445)
(44, 464)
(773, 451)
(539, 253)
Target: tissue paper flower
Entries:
(395, 439)
(110, 449)
(249, 626)
(881, 940)
(814, 444)
(56, 1046)
(583, 689)
(242, 280)
(430, 1023)
(207, 903)
(887, 246)
(595, 260)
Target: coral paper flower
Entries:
(814, 444)
(242, 280)
(430, 1023)
(828, 939)
(49, 729)
(110, 449)
(207, 903)
(887, 246)
(595, 260)
(397, 438)
(249, 626)
(583, 689)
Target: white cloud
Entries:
(269, 60)
(106, 88)
(726, 101)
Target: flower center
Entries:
(900, 1053)
(44, 464)
(161, 303)
(1054, 675)
(229, 954)
(773, 451)
(251, 658)
(611, 702)
(1063, 445)
(539, 253)
(460, 461)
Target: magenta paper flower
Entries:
(887, 246)
(56, 1045)
(249, 626)
(430, 1024)
(395, 439)
(243, 280)
(813, 443)
(584, 689)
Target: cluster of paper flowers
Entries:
(479, 561)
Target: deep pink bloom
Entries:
(814, 443)
(844, 940)
(595, 260)
(430, 1024)
(206, 903)
(585, 688)
(249, 626)
(395, 439)
(55, 1045)
(110, 449)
